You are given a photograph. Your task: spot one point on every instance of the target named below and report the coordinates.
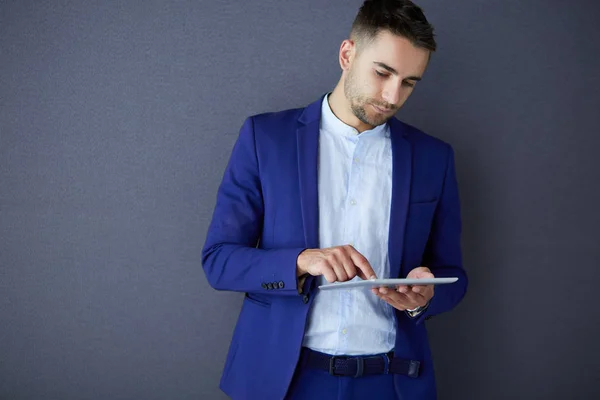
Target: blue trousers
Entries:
(313, 384)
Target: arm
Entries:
(230, 257)
(443, 253)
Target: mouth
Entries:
(381, 110)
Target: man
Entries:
(336, 191)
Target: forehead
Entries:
(398, 53)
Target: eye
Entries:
(408, 84)
(381, 74)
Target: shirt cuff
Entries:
(301, 280)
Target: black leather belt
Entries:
(357, 366)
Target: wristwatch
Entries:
(416, 311)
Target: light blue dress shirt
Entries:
(355, 190)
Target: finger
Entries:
(402, 301)
(424, 274)
(328, 273)
(391, 295)
(425, 291)
(412, 297)
(340, 272)
(422, 289)
(420, 273)
(348, 265)
(333, 257)
(400, 298)
(403, 288)
(365, 271)
(394, 301)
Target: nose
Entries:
(391, 94)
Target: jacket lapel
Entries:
(307, 139)
(401, 179)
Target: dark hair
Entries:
(400, 17)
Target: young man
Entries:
(336, 191)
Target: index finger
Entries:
(365, 271)
(402, 288)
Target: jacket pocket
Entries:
(423, 202)
(257, 300)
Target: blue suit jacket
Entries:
(267, 213)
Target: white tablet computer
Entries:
(371, 283)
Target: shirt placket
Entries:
(351, 216)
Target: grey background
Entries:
(117, 120)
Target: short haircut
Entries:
(400, 17)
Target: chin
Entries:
(376, 120)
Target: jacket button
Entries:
(305, 299)
(281, 284)
(269, 285)
(264, 285)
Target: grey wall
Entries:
(116, 122)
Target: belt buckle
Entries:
(360, 366)
(332, 366)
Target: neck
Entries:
(341, 108)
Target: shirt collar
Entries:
(333, 124)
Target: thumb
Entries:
(420, 272)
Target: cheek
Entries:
(368, 84)
(375, 87)
(373, 94)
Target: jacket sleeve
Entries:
(443, 251)
(230, 257)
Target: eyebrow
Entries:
(393, 71)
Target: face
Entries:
(379, 78)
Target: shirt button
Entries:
(344, 331)
(353, 202)
(355, 160)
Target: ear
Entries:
(347, 54)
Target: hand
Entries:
(336, 264)
(408, 297)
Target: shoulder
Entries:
(276, 128)
(268, 121)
